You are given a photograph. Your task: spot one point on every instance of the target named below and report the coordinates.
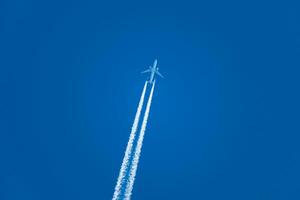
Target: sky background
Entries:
(224, 123)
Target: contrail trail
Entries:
(128, 151)
(137, 152)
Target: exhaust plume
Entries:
(138, 149)
(128, 151)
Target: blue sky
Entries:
(224, 123)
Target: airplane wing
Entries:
(148, 70)
(160, 74)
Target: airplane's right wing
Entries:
(159, 74)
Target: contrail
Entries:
(139, 145)
(128, 151)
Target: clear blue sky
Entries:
(224, 122)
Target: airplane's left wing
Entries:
(148, 70)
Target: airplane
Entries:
(153, 70)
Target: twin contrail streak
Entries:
(128, 151)
(126, 178)
(137, 152)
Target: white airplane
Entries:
(153, 70)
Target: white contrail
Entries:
(128, 151)
(137, 152)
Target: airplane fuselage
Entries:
(152, 70)
(152, 76)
